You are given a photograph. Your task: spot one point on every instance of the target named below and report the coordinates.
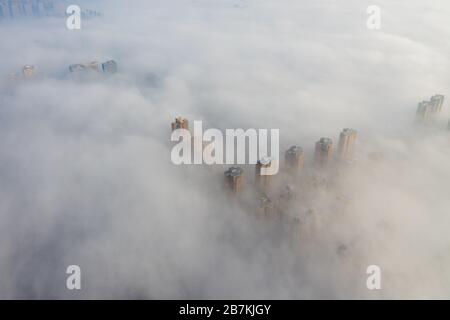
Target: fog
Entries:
(86, 176)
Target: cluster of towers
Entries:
(323, 155)
(29, 71)
(10, 9)
(294, 160)
(106, 67)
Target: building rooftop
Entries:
(294, 150)
(265, 161)
(349, 131)
(234, 172)
(264, 201)
(324, 143)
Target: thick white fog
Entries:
(86, 176)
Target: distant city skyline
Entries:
(31, 8)
(13, 9)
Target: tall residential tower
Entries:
(346, 146)
(323, 152)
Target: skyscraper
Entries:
(109, 66)
(261, 178)
(180, 123)
(234, 179)
(265, 207)
(426, 110)
(346, 146)
(323, 152)
(294, 159)
(437, 101)
(90, 66)
(28, 72)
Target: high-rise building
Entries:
(437, 101)
(266, 207)
(426, 110)
(234, 179)
(346, 146)
(284, 199)
(109, 66)
(294, 159)
(106, 67)
(261, 178)
(323, 151)
(28, 72)
(448, 125)
(180, 123)
(91, 66)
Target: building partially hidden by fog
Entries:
(323, 152)
(284, 198)
(12, 9)
(265, 207)
(234, 179)
(426, 110)
(90, 66)
(109, 66)
(294, 159)
(180, 123)
(437, 102)
(262, 179)
(28, 72)
(20, 9)
(106, 67)
(346, 146)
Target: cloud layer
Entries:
(86, 176)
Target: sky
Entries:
(86, 177)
